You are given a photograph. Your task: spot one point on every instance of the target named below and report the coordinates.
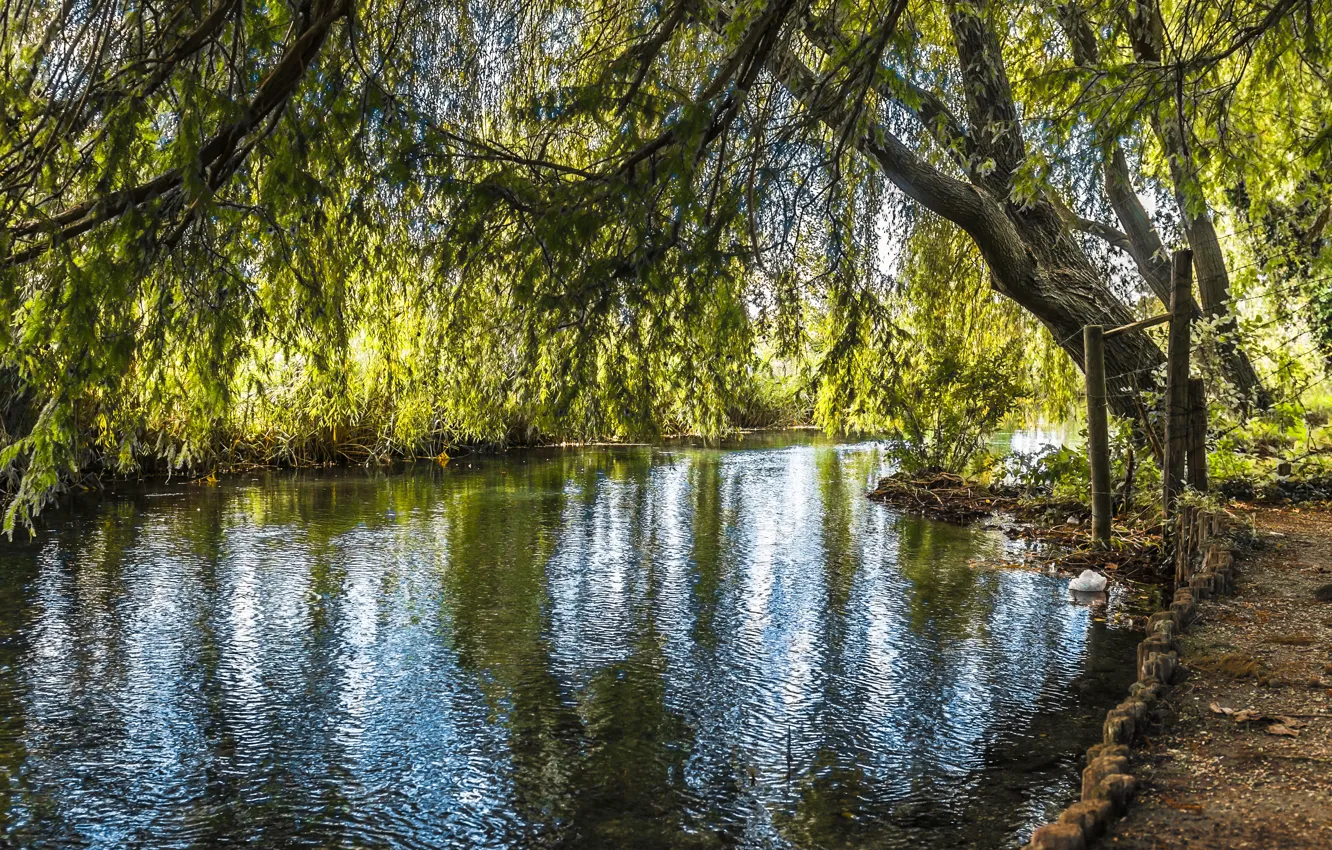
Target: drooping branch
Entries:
(928, 107)
(216, 159)
(947, 196)
(1140, 239)
(1064, 298)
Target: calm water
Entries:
(629, 648)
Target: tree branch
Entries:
(926, 106)
(214, 156)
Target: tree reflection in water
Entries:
(680, 647)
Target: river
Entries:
(631, 647)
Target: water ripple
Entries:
(689, 648)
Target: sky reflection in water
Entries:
(628, 648)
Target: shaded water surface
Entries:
(601, 648)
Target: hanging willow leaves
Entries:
(339, 229)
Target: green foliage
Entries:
(1291, 444)
(955, 361)
(300, 233)
(947, 402)
(1060, 472)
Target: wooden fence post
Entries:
(1197, 435)
(1177, 380)
(1098, 433)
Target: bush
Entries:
(948, 403)
(1056, 471)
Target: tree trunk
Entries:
(1145, 245)
(1209, 263)
(1146, 33)
(1061, 286)
(1033, 256)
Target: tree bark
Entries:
(1033, 256)
(1066, 290)
(1146, 33)
(1146, 248)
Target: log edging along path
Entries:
(1108, 784)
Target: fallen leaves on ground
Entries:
(1180, 805)
(1281, 724)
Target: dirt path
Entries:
(1209, 781)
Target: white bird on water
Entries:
(1089, 582)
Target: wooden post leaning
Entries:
(1177, 380)
(1098, 434)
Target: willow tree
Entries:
(1174, 82)
(564, 213)
(1242, 126)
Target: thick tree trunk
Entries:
(1032, 255)
(1146, 33)
(1057, 281)
(1059, 286)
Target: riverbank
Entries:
(1239, 752)
(1242, 756)
(1059, 531)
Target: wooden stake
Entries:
(1197, 435)
(1098, 434)
(1177, 380)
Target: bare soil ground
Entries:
(1218, 780)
